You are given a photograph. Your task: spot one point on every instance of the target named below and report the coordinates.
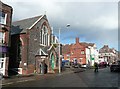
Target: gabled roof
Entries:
(22, 25)
(106, 49)
(87, 44)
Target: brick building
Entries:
(31, 48)
(77, 52)
(66, 51)
(84, 53)
(5, 27)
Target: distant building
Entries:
(31, 46)
(107, 54)
(5, 28)
(66, 51)
(91, 54)
(84, 53)
(77, 52)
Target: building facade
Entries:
(85, 53)
(5, 28)
(92, 54)
(107, 54)
(77, 52)
(31, 48)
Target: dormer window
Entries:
(3, 18)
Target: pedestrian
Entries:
(96, 67)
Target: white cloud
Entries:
(106, 22)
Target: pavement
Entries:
(31, 77)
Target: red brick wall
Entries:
(23, 39)
(30, 69)
(76, 50)
(6, 29)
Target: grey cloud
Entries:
(80, 15)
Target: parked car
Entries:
(115, 67)
(67, 64)
(102, 64)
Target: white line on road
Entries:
(17, 82)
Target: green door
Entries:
(52, 61)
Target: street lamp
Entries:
(68, 25)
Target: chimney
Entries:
(77, 40)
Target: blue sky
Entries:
(94, 21)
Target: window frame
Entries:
(3, 18)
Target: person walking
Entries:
(96, 67)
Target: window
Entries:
(3, 17)
(82, 52)
(2, 37)
(44, 36)
(2, 55)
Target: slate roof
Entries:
(66, 49)
(87, 44)
(22, 25)
(106, 49)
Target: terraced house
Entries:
(31, 47)
(5, 27)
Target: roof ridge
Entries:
(26, 19)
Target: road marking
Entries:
(17, 82)
(7, 83)
(25, 80)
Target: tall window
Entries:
(2, 37)
(44, 37)
(40, 36)
(3, 17)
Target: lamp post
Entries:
(68, 25)
(59, 53)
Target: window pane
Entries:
(1, 37)
(2, 17)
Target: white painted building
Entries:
(107, 54)
(91, 55)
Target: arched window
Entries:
(40, 36)
(44, 36)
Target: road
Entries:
(104, 78)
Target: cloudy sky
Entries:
(94, 21)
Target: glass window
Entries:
(2, 64)
(2, 37)
(3, 17)
(41, 37)
(82, 52)
(2, 55)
